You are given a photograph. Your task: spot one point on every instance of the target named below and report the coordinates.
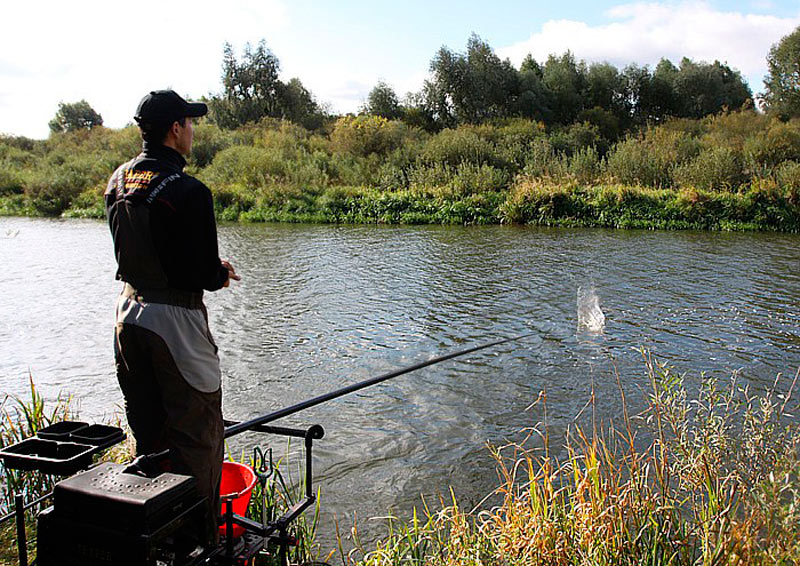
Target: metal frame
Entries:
(281, 524)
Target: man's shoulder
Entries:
(190, 183)
(188, 191)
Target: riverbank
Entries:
(530, 203)
(717, 484)
(733, 171)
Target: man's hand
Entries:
(231, 273)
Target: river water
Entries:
(320, 307)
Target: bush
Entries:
(533, 201)
(769, 148)
(209, 140)
(650, 159)
(52, 187)
(575, 137)
(453, 147)
(542, 161)
(11, 181)
(244, 166)
(585, 166)
(364, 135)
(715, 168)
(787, 176)
(733, 129)
(472, 179)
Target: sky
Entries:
(112, 53)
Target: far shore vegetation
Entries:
(561, 143)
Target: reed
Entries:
(716, 483)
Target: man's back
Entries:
(162, 222)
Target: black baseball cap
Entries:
(166, 107)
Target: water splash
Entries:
(590, 315)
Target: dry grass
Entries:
(715, 483)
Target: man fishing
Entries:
(165, 242)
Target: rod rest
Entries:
(315, 432)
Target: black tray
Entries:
(48, 456)
(61, 430)
(98, 435)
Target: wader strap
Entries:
(176, 297)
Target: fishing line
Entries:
(248, 425)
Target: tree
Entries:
(74, 116)
(249, 87)
(566, 80)
(382, 101)
(659, 99)
(707, 88)
(603, 87)
(297, 104)
(534, 100)
(471, 87)
(782, 95)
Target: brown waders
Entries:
(164, 410)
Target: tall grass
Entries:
(704, 476)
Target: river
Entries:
(320, 307)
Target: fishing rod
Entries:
(237, 428)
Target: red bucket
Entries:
(237, 485)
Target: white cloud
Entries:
(112, 53)
(644, 33)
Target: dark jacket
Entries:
(162, 222)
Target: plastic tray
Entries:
(98, 435)
(48, 456)
(61, 430)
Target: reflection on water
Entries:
(320, 307)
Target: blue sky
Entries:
(112, 53)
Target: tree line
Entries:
(476, 86)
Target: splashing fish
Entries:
(590, 315)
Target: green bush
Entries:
(787, 176)
(714, 168)
(11, 181)
(209, 140)
(365, 135)
(733, 129)
(649, 160)
(585, 166)
(60, 178)
(470, 179)
(244, 166)
(575, 137)
(453, 147)
(542, 161)
(771, 147)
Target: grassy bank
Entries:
(717, 484)
(737, 171)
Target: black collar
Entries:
(164, 153)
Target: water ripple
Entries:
(321, 307)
